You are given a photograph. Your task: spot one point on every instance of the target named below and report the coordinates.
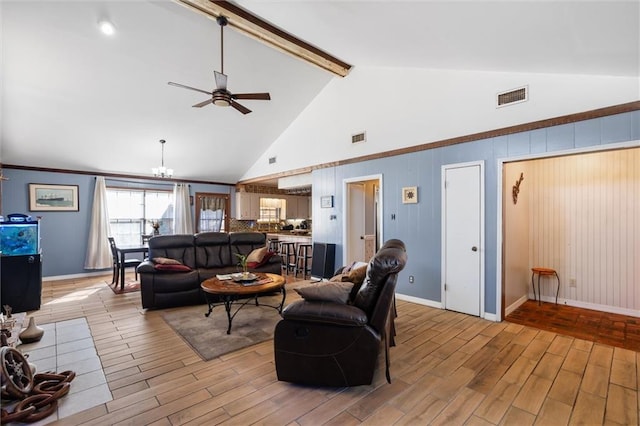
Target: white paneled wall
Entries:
(585, 223)
(516, 230)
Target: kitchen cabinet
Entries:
(297, 207)
(304, 209)
(292, 207)
(247, 205)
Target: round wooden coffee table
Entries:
(230, 291)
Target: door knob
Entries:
(474, 248)
(362, 237)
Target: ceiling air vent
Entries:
(272, 160)
(514, 96)
(359, 137)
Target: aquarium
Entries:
(19, 237)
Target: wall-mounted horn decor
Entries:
(516, 189)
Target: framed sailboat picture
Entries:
(53, 198)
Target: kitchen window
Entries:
(272, 209)
(272, 212)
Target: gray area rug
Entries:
(208, 336)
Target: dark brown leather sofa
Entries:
(332, 344)
(207, 254)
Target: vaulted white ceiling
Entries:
(73, 98)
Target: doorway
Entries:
(463, 237)
(576, 212)
(362, 229)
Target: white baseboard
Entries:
(82, 275)
(515, 305)
(490, 317)
(593, 306)
(419, 301)
(438, 305)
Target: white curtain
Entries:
(182, 221)
(98, 250)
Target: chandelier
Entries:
(162, 171)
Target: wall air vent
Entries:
(511, 97)
(272, 160)
(359, 137)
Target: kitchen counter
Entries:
(292, 232)
(288, 236)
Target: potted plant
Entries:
(155, 224)
(243, 264)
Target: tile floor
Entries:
(68, 345)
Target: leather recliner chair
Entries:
(333, 344)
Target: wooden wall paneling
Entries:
(574, 245)
(516, 224)
(585, 223)
(632, 239)
(613, 238)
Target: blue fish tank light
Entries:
(19, 235)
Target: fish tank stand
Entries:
(20, 263)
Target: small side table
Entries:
(547, 272)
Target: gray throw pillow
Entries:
(337, 292)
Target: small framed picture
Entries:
(53, 198)
(326, 202)
(410, 195)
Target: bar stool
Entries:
(305, 254)
(273, 246)
(547, 272)
(288, 254)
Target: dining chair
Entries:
(117, 264)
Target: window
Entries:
(211, 212)
(132, 212)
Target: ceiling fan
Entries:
(221, 96)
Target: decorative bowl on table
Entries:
(242, 277)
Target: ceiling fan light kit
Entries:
(162, 171)
(221, 96)
(106, 27)
(220, 99)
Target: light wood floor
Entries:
(448, 368)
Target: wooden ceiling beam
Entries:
(261, 30)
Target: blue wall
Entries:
(64, 235)
(419, 225)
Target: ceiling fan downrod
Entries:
(221, 96)
(222, 21)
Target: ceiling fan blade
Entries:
(201, 104)
(255, 96)
(188, 87)
(221, 80)
(240, 108)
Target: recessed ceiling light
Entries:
(107, 27)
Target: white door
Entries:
(354, 214)
(356, 219)
(462, 237)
